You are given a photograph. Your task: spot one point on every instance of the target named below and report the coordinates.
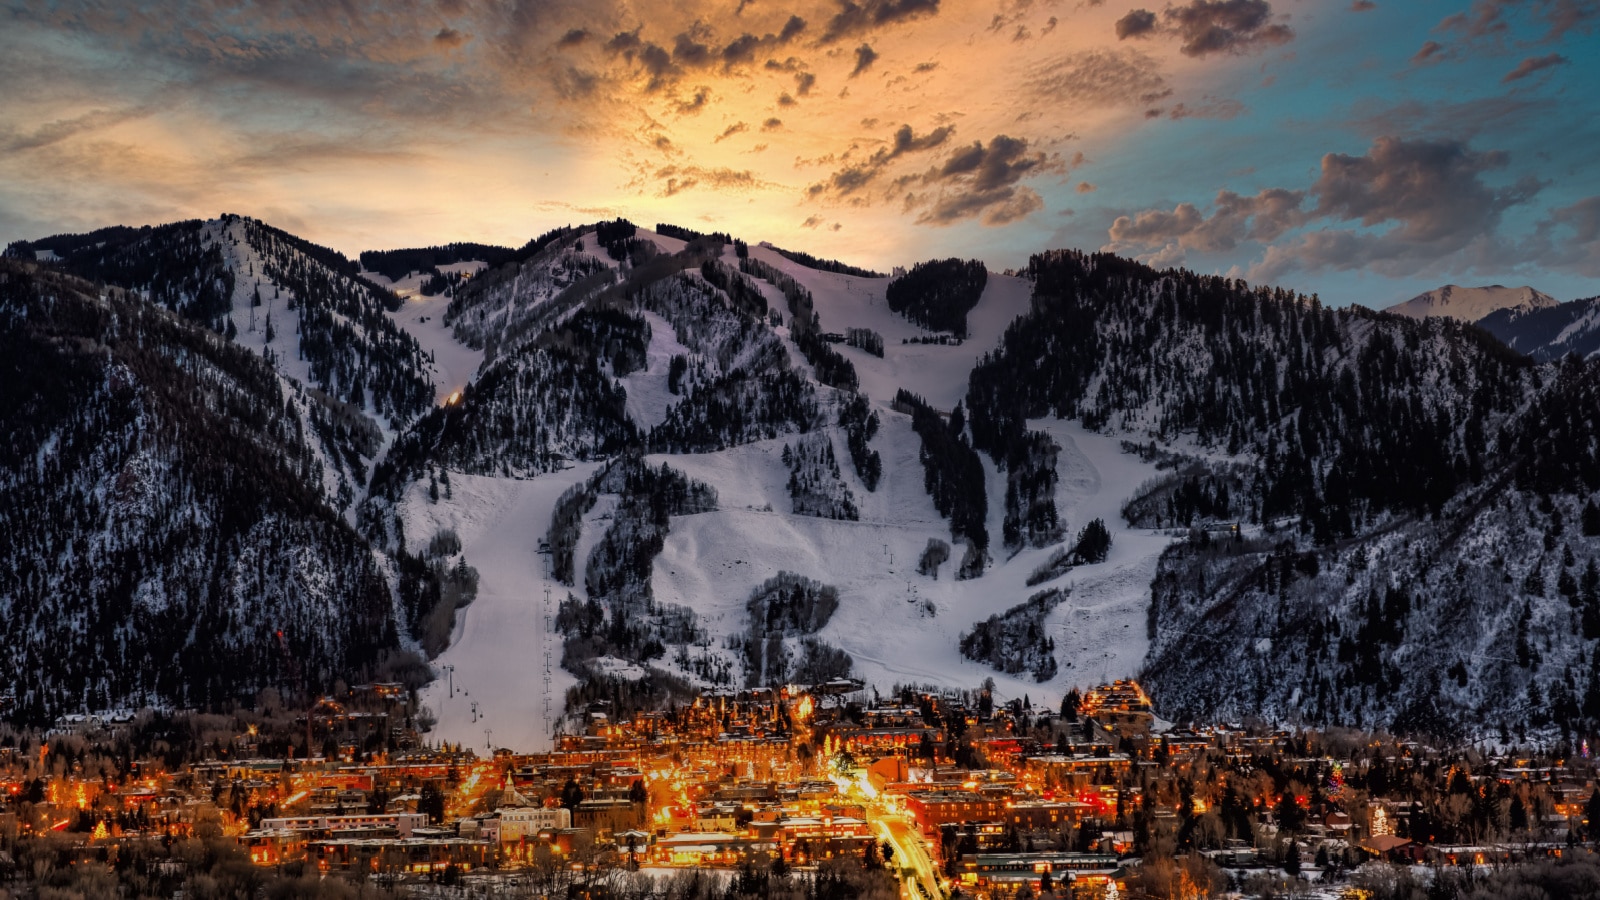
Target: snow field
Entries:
(937, 372)
(499, 644)
(712, 561)
(248, 278)
(1101, 626)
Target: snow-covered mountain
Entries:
(1526, 320)
(811, 482)
(652, 462)
(301, 307)
(1469, 304)
(1551, 332)
(1312, 429)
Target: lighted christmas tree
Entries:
(1380, 822)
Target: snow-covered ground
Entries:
(648, 397)
(271, 328)
(712, 561)
(937, 372)
(1469, 304)
(499, 646)
(252, 322)
(1100, 630)
(1102, 624)
(454, 363)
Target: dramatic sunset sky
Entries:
(1364, 149)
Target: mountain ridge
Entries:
(1549, 333)
(687, 417)
(1470, 304)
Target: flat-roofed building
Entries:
(1014, 870)
(932, 809)
(402, 823)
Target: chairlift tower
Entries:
(546, 639)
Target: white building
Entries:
(527, 821)
(518, 817)
(402, 823)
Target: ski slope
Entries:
(499, 646)
(648, 397)
(937, 372)
(901, 627)
(252, 322)
(454, 364)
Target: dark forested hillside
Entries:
(300, 302)
(1353, 415)
(939, 293)
(172, 265)
(159, 494)
(1359, 518)
(354, 349)
(528, 413)
(954, 477)
(1551, 332)
(397, 264)
(1405, 556)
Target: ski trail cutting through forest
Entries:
(498, 649)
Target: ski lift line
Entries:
(1207, 637)
(1496, 658)
(1197, 634)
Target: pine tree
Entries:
(1070, 705)
(1094, 542)
(1591, 608)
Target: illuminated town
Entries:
(937, 794)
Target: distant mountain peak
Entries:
(1469, 304)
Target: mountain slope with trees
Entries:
(1400, 496)
(1360, 518)
(1549, 333)
(140, 564)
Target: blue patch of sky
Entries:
(1348, 79)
